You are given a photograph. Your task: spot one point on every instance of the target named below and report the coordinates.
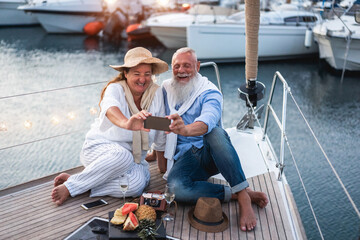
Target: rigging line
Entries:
(303, 185)
(51, 90)
(327, 158)
(41, 139)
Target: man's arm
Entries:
(194, 129)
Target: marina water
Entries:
(65, 74)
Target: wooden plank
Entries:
(265, 234)
(281, 207)
(275, 206)
(266, 188)
(185, 234)
(254, 185)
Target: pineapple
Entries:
(145, 212)
(147, 218)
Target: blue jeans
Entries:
(192, 170)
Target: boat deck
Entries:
(27, 212)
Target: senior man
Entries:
(197, 146)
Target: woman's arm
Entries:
(134, 123)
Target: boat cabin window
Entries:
(300, 19)
(354, 8)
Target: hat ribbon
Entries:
(208, 223)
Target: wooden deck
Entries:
(27, 212)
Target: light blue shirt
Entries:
(207, 109)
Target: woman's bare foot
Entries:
(259, 198)
(59, 194)
(151, 156)
(247, 216)
(60, 179)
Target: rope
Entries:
(41, 139)
(303, 186)
(348, 41)
(327, 158)
(51, 90)
(252, 22)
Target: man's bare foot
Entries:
(60, 179)
(151, 156)
(247, 216)
(59, 194)
(259, 198)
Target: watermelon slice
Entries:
(131, 223)
(129, 207)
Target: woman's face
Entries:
(139, 78)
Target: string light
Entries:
(71, 115)
(93, 111)
(55, 120)
(27, 124)
(3, 126)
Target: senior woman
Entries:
(117, 143)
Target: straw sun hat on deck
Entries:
(140, 55)
(208, 216)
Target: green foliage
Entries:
(147, 229)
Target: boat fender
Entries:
(308, 38)
(93, 28)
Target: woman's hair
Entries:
(118, 78)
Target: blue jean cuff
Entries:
(227, 194)
(239, 187)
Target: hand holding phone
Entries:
(157, 123)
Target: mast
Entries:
(251, 91)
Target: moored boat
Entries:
(170, 28)
(66, 16)
(283, 34)
(10, 16)
(339, 40)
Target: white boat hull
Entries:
(333, 50)
(222, 41)
(65, 16)
(10, 16)
(332, 39)
(170, 37)
(64, 23)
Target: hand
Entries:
(136, 121)
(178, 126)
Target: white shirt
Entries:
(103, 128)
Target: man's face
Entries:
(184, 67)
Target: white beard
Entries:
(182, 91)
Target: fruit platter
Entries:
(134, 221)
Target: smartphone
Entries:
(157, 123)
(94, 204)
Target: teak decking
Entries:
(27, 212)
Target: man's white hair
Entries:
(184, 50)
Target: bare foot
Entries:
(259, 198)
(60, 179)
(247, 216)
(59, 194)
(151, 156)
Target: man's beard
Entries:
(182, 91)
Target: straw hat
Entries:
(140, 55)
(208, 216)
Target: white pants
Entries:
(106, 163)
